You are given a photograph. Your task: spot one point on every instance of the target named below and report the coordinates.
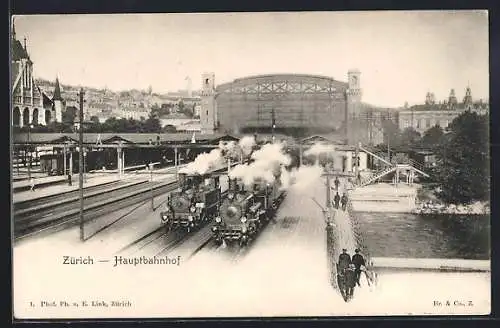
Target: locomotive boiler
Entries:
(246, 210)
(195, 203)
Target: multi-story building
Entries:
(423, 117)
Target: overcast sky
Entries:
(401, 55)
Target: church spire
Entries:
(57, 91)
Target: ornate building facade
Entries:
(30, 105)
(423, 117)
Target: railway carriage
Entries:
(195, 202)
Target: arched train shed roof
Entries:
(323, 81)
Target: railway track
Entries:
(37, 202)
(102, 204)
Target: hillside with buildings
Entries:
(173, 108)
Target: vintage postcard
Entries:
(250, 164)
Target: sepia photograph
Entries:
(267, 164)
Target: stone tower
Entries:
(452, 99)
(58, 102)
(208, 113)
(468, 98)
(354, 93)
(356, 128)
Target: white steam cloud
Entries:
(205, 162)
(305, 176)
(238, 150)
(265, 167)
(318, 149)
(270, 162)
(246, 145)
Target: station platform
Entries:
(40, 181)
(60, 188)
(48, 186)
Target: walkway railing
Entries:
(388, 167)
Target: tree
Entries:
(152, 124)
(433, 136)
(410, 136)
(463, 160)
(69, 115)
(391, 133)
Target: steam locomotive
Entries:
(194, 203)
(244, 212)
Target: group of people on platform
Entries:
(337, 200)
(349, 271)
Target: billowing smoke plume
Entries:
(318, 149)
(230, 150)
(266, 165)
(271, 161)
(305, 176)
(204, 163)
(238, 151)
(218, 157)
(246, 145)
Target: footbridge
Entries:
(409, 169)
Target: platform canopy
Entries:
(138, 139)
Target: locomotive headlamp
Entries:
(193, 209)
(218, 219)
(230, 196)
(190, 218)
(214, 228)
(164, 218)
(244, 229)
(243, 219)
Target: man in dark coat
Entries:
(350, 279)
(344, 261)
(343, 200)
(337, 183)
(358, 261)
(336, 200)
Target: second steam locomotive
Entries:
(245, 211)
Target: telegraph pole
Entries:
(29, 146)
(80, 163)
(346, 118)
(151, 186)
(356, 162)
(273, 118)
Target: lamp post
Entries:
(151, 186)
(84, 165)
(273, 118)
(80, 163)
